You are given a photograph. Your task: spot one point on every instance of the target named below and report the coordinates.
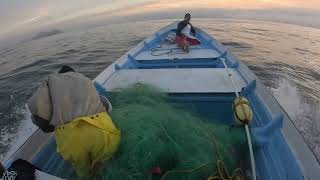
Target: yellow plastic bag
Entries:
(86, 141)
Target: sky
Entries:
(19, 16)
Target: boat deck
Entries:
(197, 80)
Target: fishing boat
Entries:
(210, 78)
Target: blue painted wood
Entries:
(49, 161)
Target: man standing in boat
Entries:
(186, 34)
(68, 104)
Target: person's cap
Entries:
(65, 69)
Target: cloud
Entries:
(230, 4)
(42, 15)
(39, 17)
(108, 8)
(38, 14)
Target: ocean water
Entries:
(286, 58)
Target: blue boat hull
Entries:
(199, 78)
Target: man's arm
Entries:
(193, 31)
(181, 25)
(106, 103)
(40, 107)
(43, 124)
(103, 94)
(2, 170)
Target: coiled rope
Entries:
(221, 174)
(159, 52)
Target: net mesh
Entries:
(173, 138)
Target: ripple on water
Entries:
(274, 52)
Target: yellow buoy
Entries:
(242, 110)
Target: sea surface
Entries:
(286, 58)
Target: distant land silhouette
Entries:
(47, 34)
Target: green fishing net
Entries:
(162, 140)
